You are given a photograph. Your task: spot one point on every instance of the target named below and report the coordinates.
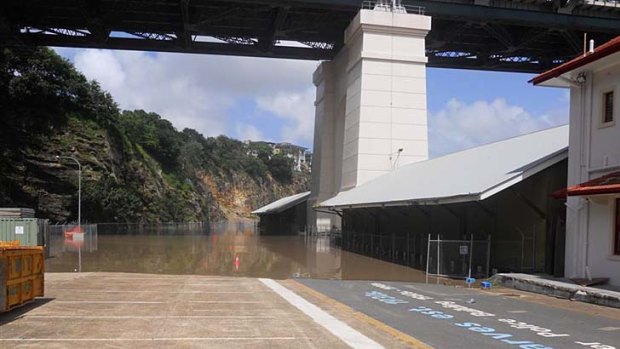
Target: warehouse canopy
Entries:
(469, 175)
(282, 204)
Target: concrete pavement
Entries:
(449, 317)
(121, 310)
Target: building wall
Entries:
(522, 238)
(594, 152)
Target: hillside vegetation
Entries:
(136, 166)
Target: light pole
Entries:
(79, 188)
(79, 205)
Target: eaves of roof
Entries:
(602, 51)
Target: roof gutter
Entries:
(421, 202)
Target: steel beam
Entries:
(171, 46)
(185, 35)
(269, 41)
(531, 38)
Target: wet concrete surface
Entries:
(449, 317)
(122, 310)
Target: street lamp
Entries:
(79, 188)
(79, 206)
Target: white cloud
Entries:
(201, 91)
(248, 132)
(297, 111)
(460, 125)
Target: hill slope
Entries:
(136, 166)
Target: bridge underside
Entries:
(502, 35)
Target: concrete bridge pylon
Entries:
(371, 114)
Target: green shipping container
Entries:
(29, 231)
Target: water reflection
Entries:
(230, 252)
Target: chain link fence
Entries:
(458, 258)
(67, 238)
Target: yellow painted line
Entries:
(403, 337)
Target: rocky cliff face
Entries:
(135, 166)
(123, 183)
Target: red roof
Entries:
(608, 48)
(607, 184)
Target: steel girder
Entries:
(518, 35)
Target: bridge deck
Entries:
(520, 35)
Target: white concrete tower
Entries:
(371, 104)
(385, 118)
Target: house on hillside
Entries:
(497, 194)
(295, 153)
(593, 193)
(301, 157)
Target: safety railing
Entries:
(395, 6)
(400, 248)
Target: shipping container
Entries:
(21, 275)
(29, 231)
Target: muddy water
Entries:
(226, 253)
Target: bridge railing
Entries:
(603, 3)
(390, 6)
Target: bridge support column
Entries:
(371, 104)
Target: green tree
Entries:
(281, 168)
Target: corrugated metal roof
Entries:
(282, 204)
(468, 175)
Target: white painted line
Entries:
(144, 339)
(115, 317)
(237, 311)
(148, 291)
(609, 329)
(171, 279)
(234, 302)
(517, 311)
(107, 302)
(221, 285)
(338, 328)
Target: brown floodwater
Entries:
(231, 253)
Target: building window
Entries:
(617, 229)
(608, 107)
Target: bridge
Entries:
(501, 35)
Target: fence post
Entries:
(438, 252)
(471, 252)
(488, 254)
(428, 255)
(408, 251)
(393, 246)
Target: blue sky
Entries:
(257, 98)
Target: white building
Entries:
(593, 214)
